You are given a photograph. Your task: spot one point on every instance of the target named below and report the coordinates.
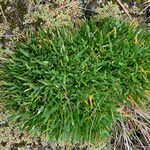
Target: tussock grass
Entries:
(67, 83)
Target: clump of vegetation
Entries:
(68, 83)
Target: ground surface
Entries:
(10, 136)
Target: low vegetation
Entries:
(70, 83)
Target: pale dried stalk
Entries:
(5, 19)
(124, 9)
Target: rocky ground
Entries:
(13, 139)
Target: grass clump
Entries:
(67, 83)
